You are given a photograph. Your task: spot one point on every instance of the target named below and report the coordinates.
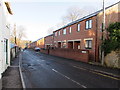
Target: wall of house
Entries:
(40, 43)
(4, 35)
(48, 41)
(112, 14)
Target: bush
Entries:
(113, 42)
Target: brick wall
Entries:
(79, 55)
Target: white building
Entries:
(5, 13)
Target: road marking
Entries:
(97, 72)
(80, 68)
(105, 75)
(69, 78)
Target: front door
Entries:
(6, 50)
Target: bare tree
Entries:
(18, 33)
(73, 13)
(50, 30)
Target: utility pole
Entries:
(103, 32)
(15, 39)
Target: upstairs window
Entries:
(64, 31)
(70, 30)
(55, 33)
(59, 33)
(78, 27)
(88, 24)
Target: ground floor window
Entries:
(70, 44)
(64, 45)
(88, 44)
(59, 44)
(76, 44)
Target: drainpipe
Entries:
(96, 41)
(73, 44)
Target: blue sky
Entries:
(37, 16)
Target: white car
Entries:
(37, 49)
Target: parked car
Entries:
(37, 49)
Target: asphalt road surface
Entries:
(45, 71)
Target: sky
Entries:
(37, 16)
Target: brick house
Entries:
(40, 43)
(49, 41)
(85, 33)
(32, 45)
(80, 34)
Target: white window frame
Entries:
(64, 31)
(78, 27)
(88, 24)
(88, 44)
(70, 30)
(55, 33)
(59, 33)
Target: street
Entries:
(44, 71)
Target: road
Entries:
(45, 71)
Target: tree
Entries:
(73, 13)
(50, 30)
(18, 33)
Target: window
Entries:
(64, 31)
(70, 30)
(88, 44)
(55, 33)
(89, 24)
(78, 27)
(59, 33)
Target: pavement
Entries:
(11, 77)
(46, 71)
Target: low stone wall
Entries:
(79, 55)
(113, 59)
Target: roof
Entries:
(8, 7)
(86, 17)
(49, 35)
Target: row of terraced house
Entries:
(80, 39)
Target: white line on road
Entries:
(69, 78)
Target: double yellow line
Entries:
(98, 73)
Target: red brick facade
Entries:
(49, 41)
(77, 38)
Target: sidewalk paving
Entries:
(11, 77)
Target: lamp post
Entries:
(15, 39)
